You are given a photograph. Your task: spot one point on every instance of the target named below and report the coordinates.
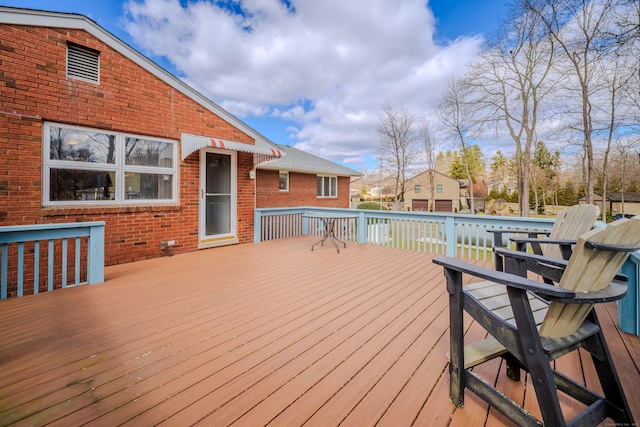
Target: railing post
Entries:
(362, 227)
(629, 306)
(305, 224)
(450, 237)
(95, 261)
(257, 216)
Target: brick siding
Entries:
(302, 191)
(34, 89)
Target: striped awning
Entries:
(192, 143)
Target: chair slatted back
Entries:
(570, 224)
(589, 269)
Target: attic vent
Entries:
(83, 63)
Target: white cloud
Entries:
(328, 66)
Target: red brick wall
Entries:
(34, 89)
(302, 191)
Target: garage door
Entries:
(423, 205)
(444, 205)
(419, 205)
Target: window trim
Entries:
(119, 168)
(323, 196)
(439, 188)
(286, 189)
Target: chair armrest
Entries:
(545, 241)
(510, 253)
(517, 230)
(498, 232)
(565, 245)
(551, 269)
(613, 292)
(511, 280)
(615, 248)
(560, 264)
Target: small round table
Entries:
(328, 221)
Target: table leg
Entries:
(324, 234)
(328, 232)
(334, 239)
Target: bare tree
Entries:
(455, 111)
(627, 46)
(397, 138)
(627, 159)
(613, 71)
(579, 28)
(429, 149)
(511, 77)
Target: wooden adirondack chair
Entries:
(543, 322)
(570, 224)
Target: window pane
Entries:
(147, 186)
(326, 188)
(218, 173)
(145, 152)
(218, 215)
(69, 184)
(283, 181)
(82, 146)
(334, 186)
(319, 189)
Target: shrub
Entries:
(373, 206)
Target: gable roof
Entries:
(436, 172)
(296, 160)
(40, 18)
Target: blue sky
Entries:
(308, 73)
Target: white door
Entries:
(217, 195)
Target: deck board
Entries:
(250, 335)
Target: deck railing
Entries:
(441, 233)
(448, 234)
(38, 256)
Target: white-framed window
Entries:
(417, 188)
(283, 181)
(439, 188)
(327, 186)
(93, 166)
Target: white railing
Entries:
(448, 234)
(43, 257)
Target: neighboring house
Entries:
(480, 192)
(499, 186)
(615, 201)
(302, 179)
(92, 130)
(446, 194)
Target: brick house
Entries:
(301, 179)
(446, 194)
(94, 131)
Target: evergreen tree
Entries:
(476, 164)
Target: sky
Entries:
(306, 73)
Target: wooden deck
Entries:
(255, 334)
